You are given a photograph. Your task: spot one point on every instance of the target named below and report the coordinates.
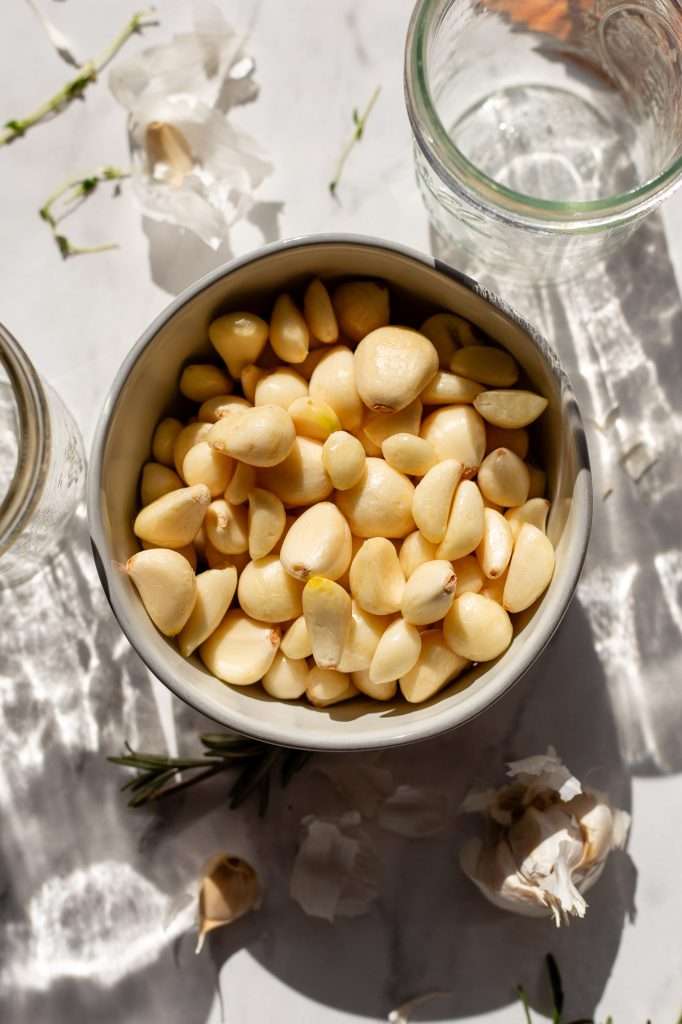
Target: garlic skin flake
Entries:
(551, 841)
(228, 888)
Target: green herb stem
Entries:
(359, 121)
(71, 191)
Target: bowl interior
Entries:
(146, 390)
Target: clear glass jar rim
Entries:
(462, 175)
(33, 443)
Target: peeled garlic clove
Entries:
(201, 381)
(494, 588)
(263, 436)
(289, 335)
(281, 387)
(486, 365)
(222, 406)
(450, 389)
(538, 482)
(220, 560)
(377, 691)
(436, 666)
(344, 459)
(319, 313)
(433, 498)
(249, 379)
(372, 450)
(242, 483)
(466, 524)
(190, 435)
(327, 612)
(457, 432)
(361, 307)
(215, 590)
(533, 511)
(228, 889)
(397, 652)
(503, 478)
(408, 454)
(530, 570)
(448, 332)
(301, 478)
(267, 520)
(363, 635)
(296, 641)
(227, 527)
(326, 686)
(310, 362)
(470, 578)
(163, 440)
(204, 465)
(380, 504)
(287, 678)
(477, 628)
(494, 551)
(318, 544)
(313, 418)
(267, 592)
(156, 481)
(188, 552)
(239, 338)
(510, 409)
(240, 650)
(376, 579)
(381, 425)
(173, 520)
(392, 366)
(414, 551)
(428, 593)
(516, 440)
(166, 585)
(333, 381)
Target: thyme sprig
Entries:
(255, 765)
(359, 123)
(72, 194)
(75, 87)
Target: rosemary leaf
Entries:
(523, 997)
(250, 777)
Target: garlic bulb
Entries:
(229, 888)
(550, 844)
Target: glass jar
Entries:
(42, 466)
(544, 133)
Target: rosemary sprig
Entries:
(76, 191)
(76, 86)
(255, 765)
(359, 122)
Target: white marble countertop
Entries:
(84, 884)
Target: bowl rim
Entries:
(275, 734)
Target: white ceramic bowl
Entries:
(143, 392)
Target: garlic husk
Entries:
(403, 1013)
(550, 840)
(229, 888)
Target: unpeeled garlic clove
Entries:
(344, 459)
(516, 440)
(289, 335)
(313, 418)
(156, 481)
(363, 635)
(392, 366)
(262, 436)
(457, 432)
(281, 387)
(166, 585)
(503, 478)
(241, 484)
(429, 593)
(190, 435)
(227, 527)
(396, 653)
(530, 570)
(215, 590)
(376, 579)
(510, 409)
(327, 686)
(466, 524)
(486, 365)
(333, 381)
(240, 650)
(414, 551)
(408, 454)
(319, 313)
(433, 498)
(450, 389)
(204, 465)
(201, 381)
(287, 678)
(380, 504)
(361, 307)
(477, 628)
(382, 425)
(533, 511)
(163, 440)
(318, 544)
(495, 549)
(436, 666)
(267, 592)
(377, 691)
(221, 407)
(327, 612)
(301, 478)
(296, 643)
(173, 520)
(228, 889)
(267, 520)
(239, 338)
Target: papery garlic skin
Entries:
(552, 840)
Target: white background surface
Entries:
(317, 59)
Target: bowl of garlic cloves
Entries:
(339, 495)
